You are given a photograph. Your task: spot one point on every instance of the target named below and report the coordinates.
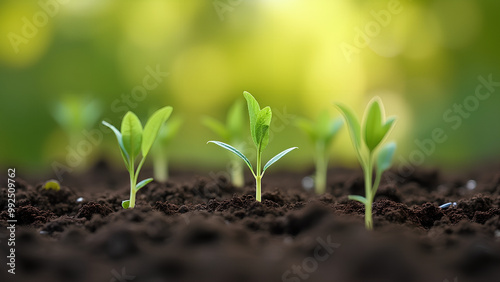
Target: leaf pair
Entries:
(232, 130)
(323, 129)
(375, 127)
(260, 121)
(133, 139)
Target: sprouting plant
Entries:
(75, 113)
(159, 150)
(321, 133)
(366, 139)
(52, 185)
(231, 132)
(134, 140)
(260, 121)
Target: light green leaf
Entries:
(217, 127)
(335, 126)
(152, 128)
(126, 204)
(372, 122)
(234, 151)
(131, 134)
(169, 131)
(143, 183)
(253, 113)
(120, 142)
(386, 128)
(384, 157)
(322, 126)
(352, 124)
(235, 121)
(262, 127)
(277, 157)
(307, 127)
(357, 198)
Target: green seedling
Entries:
(159, 150)
(231, 132)
(74, 114)
(133, 141)
(260, 121)
(52, 185)
(321, 134)
(366, 139)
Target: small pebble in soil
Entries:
(308, 182)
(497, 233)
(79, 200)
(447, 205)
(43, 232)
(471, 184)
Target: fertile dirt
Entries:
(200, 228)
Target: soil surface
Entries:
(201, 228)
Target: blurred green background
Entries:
(423, 58)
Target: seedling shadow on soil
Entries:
(195, 228)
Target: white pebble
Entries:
(43, 232)
(79, 200)
(471, 184)
(308, 183)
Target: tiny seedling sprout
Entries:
(260, 121)
(321, 134)
(366, 139)
(231, 132)
(134, 140)
(52, 185)
(159, 150)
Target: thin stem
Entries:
(160, 167)
(368, 192)
(321, 168)
(237, 177)
(133, 182)
(258, 177)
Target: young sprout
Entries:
(52, 185)
(133, 140)
(260, 121)
(321, 133)
(231, 132)
(75, 114)
(366, 139)
(159, 150)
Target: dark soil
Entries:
(197, 228)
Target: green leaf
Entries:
(253, 113)
(357, 198)
(126, 204)
(235, 121)
(335, 126)
(131, 134)
(322, 126)
(143, 183)
(217, 127)
(307, 127)
(152, 128)
(277, 157)
(384, 157)
(234, 151)
(373, 121)
(352, 124)
(120, 142)
(169, 131)
(262, 127)
(389, 124)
